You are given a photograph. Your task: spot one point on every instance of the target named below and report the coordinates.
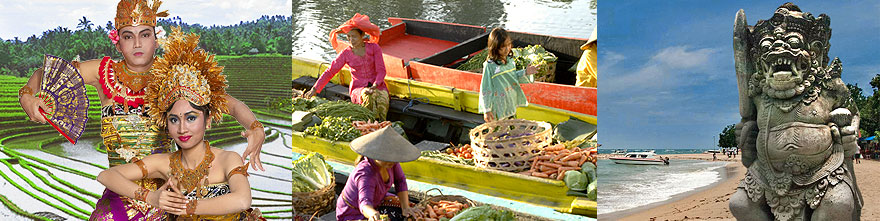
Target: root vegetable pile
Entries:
(555, 160)
(441, 209)
(369, 126)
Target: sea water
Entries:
(623, 187)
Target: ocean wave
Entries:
(625, 187)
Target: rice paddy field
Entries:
(44, 177)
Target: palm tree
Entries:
(85, 23)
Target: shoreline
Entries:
(679, 206)
(711, 202)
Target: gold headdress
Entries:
(185, 73)
(138, 12)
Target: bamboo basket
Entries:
(315, 203)
(509, 154)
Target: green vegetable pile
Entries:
(436, 154)
(484, 212)
(335, 129)
(532, 54)
(311, 173)
(582, 183)
(475, 62)
(303, 104)
(536, 55)
(343, 109)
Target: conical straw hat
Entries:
(385, 145)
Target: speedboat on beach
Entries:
(639, 158)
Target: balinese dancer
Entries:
(204, 183)
(125, 130)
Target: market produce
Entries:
(343, 109)
(484, 212)
(554, 161)
(465, 152)
(335, 129)
(303, 104)
(575, 180)
(436, 154)
(475, 62)
(369, 126)
(535, 55)
(311, 173)
(443, 209)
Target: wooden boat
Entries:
(639, 158)
(425, 50)
(537, 191)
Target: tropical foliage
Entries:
(268, 34)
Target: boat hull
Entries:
(418, 50)
(537, 191)
(636, 161)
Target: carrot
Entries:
(542, 157)
(558, 157)
(440, 212)
(431, 212)
(555, 148)
(582, 160)
(554, 165)
(561, 174)
(572, 156)
(570, 163)
(569, 168)
(539, 174)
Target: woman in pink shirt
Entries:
(364, 58)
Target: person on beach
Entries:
(203, 183)
(500, 92)
(377, 169)
(364, 58)
(858, 155)
(714, 157)
(121, 90)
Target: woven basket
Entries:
(509, 154)
(315, 203)
(438, 198)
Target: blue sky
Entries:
(666, 71)
(23, 18)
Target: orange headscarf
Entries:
(361, 22)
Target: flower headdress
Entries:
(185, 72)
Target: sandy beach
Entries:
(712, 203)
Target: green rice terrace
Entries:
(44, 177)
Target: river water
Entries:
(313, 20)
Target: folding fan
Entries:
(64, 92)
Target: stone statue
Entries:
(799, 124)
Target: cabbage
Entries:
(483, 212)
(311, 173)
(575, 180)
(591, 190)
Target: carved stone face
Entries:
(783, 62)
(788, 55)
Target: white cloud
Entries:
(25, 18)
(667, 68)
